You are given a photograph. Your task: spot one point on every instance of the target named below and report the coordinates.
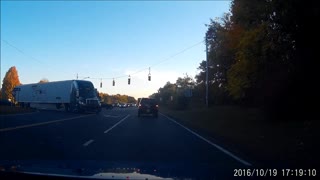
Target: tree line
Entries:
(260, 55)
(176, 95)
(113, 99)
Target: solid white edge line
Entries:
(88, 142)
(106, 131)
(211, 143)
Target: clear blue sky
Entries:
(106, 39)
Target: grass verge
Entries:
(247, 132)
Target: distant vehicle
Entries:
(148, 106)
(73, 95)
(106, 105)
(138, 102)
(132, 104)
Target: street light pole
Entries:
(207, 79)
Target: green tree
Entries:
(131, 99)
(217, 87)
(110, 99)
(10, 81)
(185, 82)
(243, 76)
(293, 28)
(184, 86)
(103, 97)
(155, 96)
(221, 37)
(166, 92)
(123, 98)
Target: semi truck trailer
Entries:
(73, 95)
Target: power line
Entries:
(117, 77)
(178, 53)
(28, 55)
(156, 64)
(19, 50)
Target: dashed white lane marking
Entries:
(211, 143)
(88, 142)
(42, 123)
(106, 131)
(107, 115)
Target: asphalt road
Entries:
(116, 135)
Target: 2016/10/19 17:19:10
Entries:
(275, 172)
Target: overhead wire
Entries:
(176, 54)
(28, 55)
(156, 64)
(19, 50)
(116, 77)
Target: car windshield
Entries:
(217, 89)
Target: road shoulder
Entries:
(245, 132)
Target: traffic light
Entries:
(100, 84)
(113, 83)
(149, 77)
(129, 80)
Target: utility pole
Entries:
(207, 79)
(77, 75)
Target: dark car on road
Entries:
(148, 106)
(106, 105)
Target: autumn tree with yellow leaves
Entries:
(10, 81)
